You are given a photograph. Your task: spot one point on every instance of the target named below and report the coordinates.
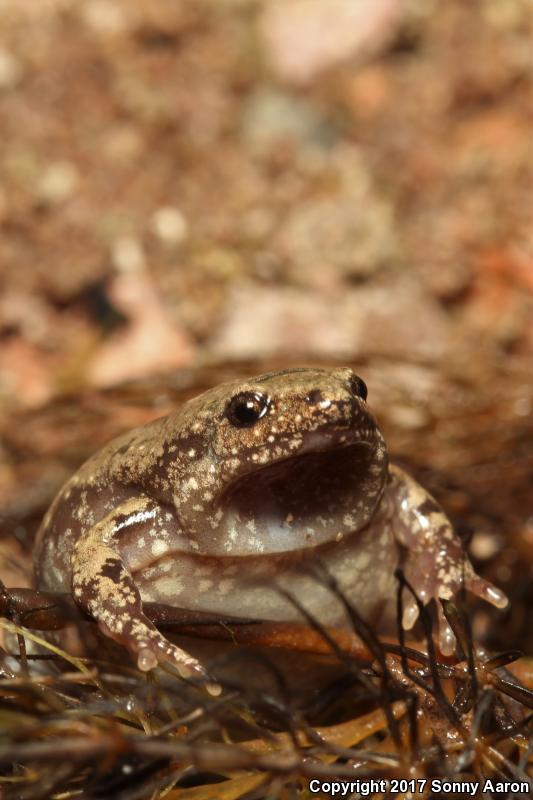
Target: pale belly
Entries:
(363, 566)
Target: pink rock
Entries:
(305, 37)
(150, 343)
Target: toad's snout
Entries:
(340, 413)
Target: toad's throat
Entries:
(302, 501)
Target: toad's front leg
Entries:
(104, 588)
(435, 563)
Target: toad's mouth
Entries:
(317, 496)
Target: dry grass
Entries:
(91, 729)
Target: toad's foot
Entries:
(136, 632)
(434, 561)
(431, 582)
(104, 588)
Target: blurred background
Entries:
(196, 181)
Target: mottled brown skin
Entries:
(212, 506)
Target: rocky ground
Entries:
(213, 179)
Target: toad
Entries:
(213, 506)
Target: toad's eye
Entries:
(247, 408)
(358, 387)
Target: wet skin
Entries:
(211, 507)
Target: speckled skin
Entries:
(203, 511)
